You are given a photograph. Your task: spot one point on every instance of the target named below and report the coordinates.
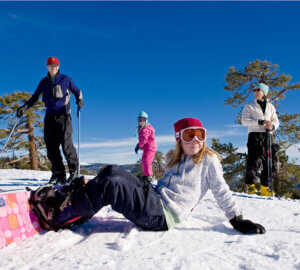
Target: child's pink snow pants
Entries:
(146, 162)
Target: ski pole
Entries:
(78, 116)
(12, 130)
(269, 161)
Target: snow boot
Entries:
(148, 178)
(46, 202)
(53, 208)
(73, 175)
(265, 191)
(251, 189)
(57, 179)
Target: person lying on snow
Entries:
(192, 168)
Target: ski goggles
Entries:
(190, 134)
(141, 119)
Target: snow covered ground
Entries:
(205, 240)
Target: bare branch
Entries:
(16, 160)
(16, 130)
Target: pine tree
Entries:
(289, 176)
(28, 124)
(158, 164)
(233, 163)
(138, 168)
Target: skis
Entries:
(255, 196)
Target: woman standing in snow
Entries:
(192, 169)
(259, 116)
(147, 143)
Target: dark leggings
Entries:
(134, 198)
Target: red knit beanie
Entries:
(52, 60)
(185, 123)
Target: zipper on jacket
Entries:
(52, 86)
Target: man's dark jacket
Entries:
(56, 96)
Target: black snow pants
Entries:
(58, 131)
(257, 156)
(136, 199)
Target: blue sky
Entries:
(166, 58)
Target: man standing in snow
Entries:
(259, 116)
(55, 90)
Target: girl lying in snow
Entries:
(191, 170)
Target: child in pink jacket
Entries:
(147, 143)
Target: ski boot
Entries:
(73, 175)
(53, 208)
(46, 202)
(251, 189)
(148, 178)
(265, 191)
(57, 180)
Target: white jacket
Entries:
(252, 112)
(185, 184)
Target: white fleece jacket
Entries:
(185, 184)
(252, 112)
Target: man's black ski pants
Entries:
(58, 131)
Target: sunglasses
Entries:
(53, 65)
(142, 119)
(256, 90)
(188, 135)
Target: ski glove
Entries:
(137, 148)
(80, 103)
(21, 110)
(246, 226)
(76, 183)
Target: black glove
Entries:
(21, 110)
(246, 226)
(80, 103)
(76, 183)
(137, 148)
(260, 122)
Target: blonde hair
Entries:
(173, 157)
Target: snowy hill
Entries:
(95, 167)
(205, 240)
